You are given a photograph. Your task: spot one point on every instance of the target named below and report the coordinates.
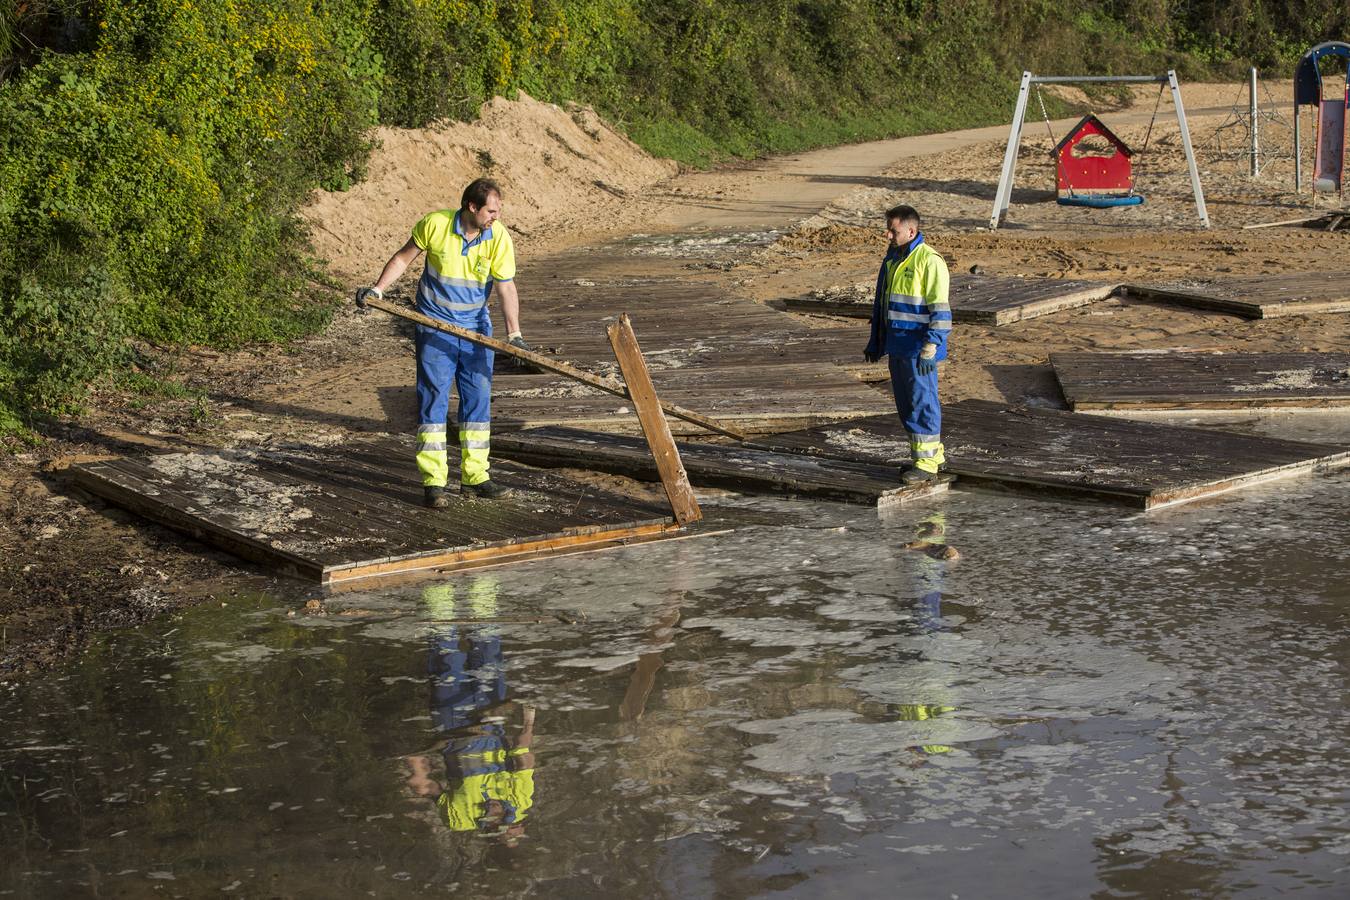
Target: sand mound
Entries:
(556, 167)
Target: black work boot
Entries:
(487, 490)
(433, 497)
(916, 476)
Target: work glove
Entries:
(928, 359)
(515, 340)
(363, 293)
(871, 357)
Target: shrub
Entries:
(153, 153)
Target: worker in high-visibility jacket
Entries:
(469, 252)
(911, 322)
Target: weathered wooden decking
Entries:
(1172, 380)
(730, 358)
(756, 398)
(337, 515)
(982, 299)
(1140, 464)
(1256, 296)
(724, 356)
(717, 465)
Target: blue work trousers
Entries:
(442, 359)
(468, 675)
(916, 400)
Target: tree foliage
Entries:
(153, 153)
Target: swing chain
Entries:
(1148, 135)
(1049, 129)
(1156, 105)
(1045, 115)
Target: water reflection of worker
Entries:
(931, 553)
(489, 771)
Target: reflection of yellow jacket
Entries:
(921, 712)
(513, 789)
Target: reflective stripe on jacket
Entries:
(914, 287)
(459, 273)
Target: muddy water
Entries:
(1086, 703)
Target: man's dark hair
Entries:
(907, 215)
(478, 191)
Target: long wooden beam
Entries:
(550, 364)
(654, 426)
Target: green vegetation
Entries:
(153, 152)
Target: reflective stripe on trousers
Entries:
(432, 459)
(474, 438)
(916, 400)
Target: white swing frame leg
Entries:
(1003, 195)
(1186, 144)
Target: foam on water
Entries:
(1126, 704)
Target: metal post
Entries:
(1186, 144)
(1003, 195)
(1256, 152)
(1099, 79)
(1298, 153)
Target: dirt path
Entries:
(70, 565)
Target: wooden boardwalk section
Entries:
(1172, 380)
(741, 362)
(353, 513)
(727, 357)
(1257, 296)
(756, 398)
(982, 299)
(732, 467)
(1139, 464)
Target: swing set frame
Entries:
(1003, 195)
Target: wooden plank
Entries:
(1303, 220)
(667, 457)
(981, 299)
(733, 467)
(1142, 464)
(332, 514)
(1256, 297)
(545, 362)
(452, 560)
(597, 544)
(1186, 380)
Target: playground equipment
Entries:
(1329, 152)
(1003, 195)
(1093, 179)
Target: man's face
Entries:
(483, 216)
(900, 233)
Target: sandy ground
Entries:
(70, 565)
